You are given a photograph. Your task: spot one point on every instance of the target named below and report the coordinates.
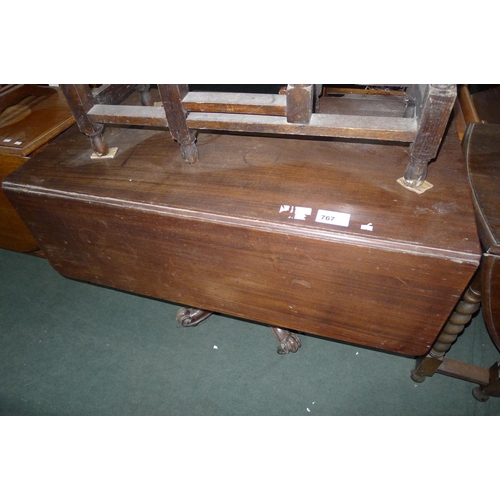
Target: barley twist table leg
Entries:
(471, 301)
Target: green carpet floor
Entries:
(72, 348)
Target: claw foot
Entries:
(288, 341)
(187, 316)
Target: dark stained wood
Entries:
(81, 100)
(228, 233)
(491, 388)
(481, 145)
(482, 150)
(433, 106)
(487, 104)
(459, 319)
(427, 109)
(491, 296)
(171, 97)
(299, 103)
(112, 93)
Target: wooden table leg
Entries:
(189, 316)
(483, 392)
(471, 301)
(288, 341)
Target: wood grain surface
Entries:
(241, 232)
(30, 117)
(482, 151)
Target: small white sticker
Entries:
(17, 143)
(7, 140)
(297, 213)
(333, 218)
(367, 227)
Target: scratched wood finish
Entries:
(112, 93)
(30, 116)
(299, 102)
(221, 234)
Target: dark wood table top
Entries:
(242, 179)
(482, 149)
(306, 234)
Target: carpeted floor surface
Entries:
(72, 348)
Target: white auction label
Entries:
(333, 218)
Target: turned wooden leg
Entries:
(99, 145)
(171, 96)
(288, 341)
(416, 171)
(80, 101)
(470, 303)
(187, 316)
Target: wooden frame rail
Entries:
(422, 125)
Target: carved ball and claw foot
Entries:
(288, 341)
(188, 316)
